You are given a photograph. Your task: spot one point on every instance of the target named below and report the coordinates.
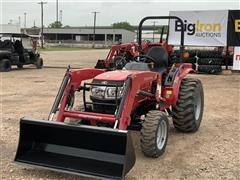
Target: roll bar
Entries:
(161, 17)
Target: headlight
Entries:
(98, 91)
(111, 92)
(104, 92)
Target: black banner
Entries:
(233, 32)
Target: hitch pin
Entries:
(115, 124)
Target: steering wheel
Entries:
(144, 58)
(120, 62)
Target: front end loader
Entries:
(94, 138)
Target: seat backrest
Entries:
(7, 43)
(1, 44)
(161, 56)
(18, 47)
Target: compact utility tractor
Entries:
(93, 139)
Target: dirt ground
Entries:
(211, 153)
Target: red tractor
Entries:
(97, 142)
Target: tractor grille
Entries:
(103, 105)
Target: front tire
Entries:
(20, 66)
(188, 112)
(39, 63)
(5, 65)
(154, 134)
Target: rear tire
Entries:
(20, 66)
(154, 133)
(210, 61)
(39, 63)
(188, 112)
(210, 69)
(208, 54)
(5, 65)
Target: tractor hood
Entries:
(118, 75)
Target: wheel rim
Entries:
(161, 134)
(197, 106)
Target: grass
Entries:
(66, 49)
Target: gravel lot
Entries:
(211, 153)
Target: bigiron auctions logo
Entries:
(237, 25)
(200, 29)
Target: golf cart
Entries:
(17, 50)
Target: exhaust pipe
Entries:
(84, 150)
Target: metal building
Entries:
(81, 35)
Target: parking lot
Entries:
(211, 153)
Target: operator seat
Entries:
(18, 47)
(7, 44)
(19, 50)
(160, 55)
(1, 44)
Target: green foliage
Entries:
(123, 25)
(56, 24)
(66, 26)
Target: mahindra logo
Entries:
(104, 82)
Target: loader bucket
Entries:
(85, 150)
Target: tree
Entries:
(66, 26)
(123, 25)
(56, 24)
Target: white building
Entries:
(10, 28)
(104, 35)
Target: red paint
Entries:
(140, 81)
(121, 49)
(90, 116)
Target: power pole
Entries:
(94, 27)
(56, 10)
(19, 21)
(154, 23)
(42, 3)
(25, 21)
(60, 18)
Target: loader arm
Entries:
(75, 79)
(133, 84)
(91, 151)
(126, 105)
(115, 51)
